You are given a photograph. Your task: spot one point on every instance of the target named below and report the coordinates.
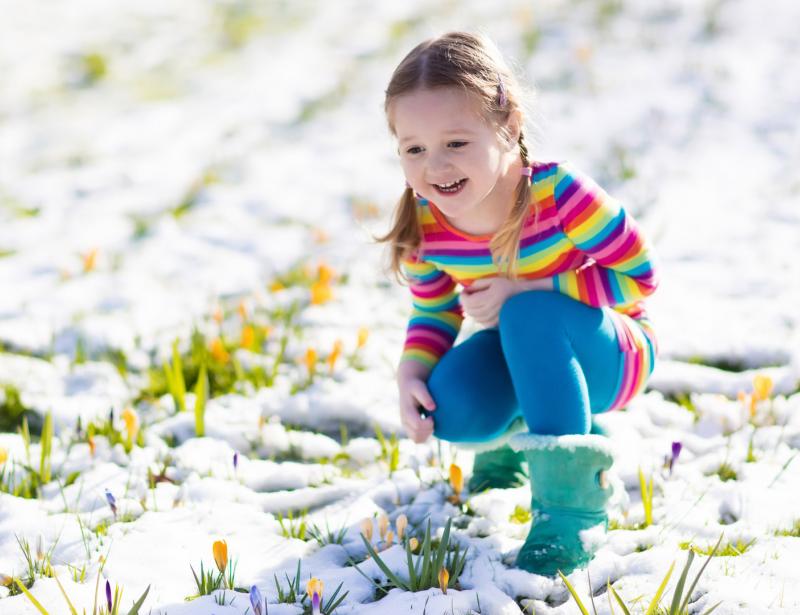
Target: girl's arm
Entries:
(436, 316)
(620, 269)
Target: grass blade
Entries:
(678, 593)
(201, 392)
(657, 598)
(63, 593)
(138, 604)
(619, 600)
(30, 597)
(685, 602)
(573, 593)
(392, 576)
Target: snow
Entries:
(278, 149)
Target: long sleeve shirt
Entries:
(575, 234)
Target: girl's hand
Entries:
(414, 395)
(483, 299)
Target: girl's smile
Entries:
(453, 156)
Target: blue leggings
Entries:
(551, 359)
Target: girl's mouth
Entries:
(451, 188)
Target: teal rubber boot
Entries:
(569, 494)
(501, 468)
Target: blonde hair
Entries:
(472, 63)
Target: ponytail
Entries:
(405, 235)
(505, 243)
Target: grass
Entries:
(725, 472)
(792, 531)
(425, 572)
(680, 598)
(730, 549)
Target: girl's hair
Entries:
(472, 63)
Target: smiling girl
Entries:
(550, 265)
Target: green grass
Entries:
(792, 531)
(730, 549)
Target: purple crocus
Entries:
(256, 600)
(676, 451)
(108, 595)
(111, 502)
(315, 600)
(235, 460)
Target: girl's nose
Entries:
(437, 163)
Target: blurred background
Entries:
(156, 155)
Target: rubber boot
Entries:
(501, 468)
(569, 494)
(504, 468)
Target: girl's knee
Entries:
(532, 307)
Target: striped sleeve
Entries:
(436, 315)
(620, 268)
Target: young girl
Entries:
(552, 268)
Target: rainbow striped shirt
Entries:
(582, 239)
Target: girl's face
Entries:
(449, 153)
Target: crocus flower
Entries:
(413, 543)
(762, 386)
(314, 589)
(363, 334)
(248, 336)
(383, 526)
(90, 441)
(220, 550)
(242, 309)
(401, 523)
(337, 350)
(111, 502)
(235, 460)
(676, 451)
(325, 273)
(3, 455)
(456, 479)
(256, 600)
(108, 596)
(276, 287)
(389, 539)
(311, 361)
(444, 578)
(131, 422)
(89, 260)
(218, 351)
(366, 528)
(321, 293)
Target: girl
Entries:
(550, 265)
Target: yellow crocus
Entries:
(383, 526)
(366, 529)
(762, 387)
(277, 287)
(444, 579)
(89, 260)
(325, 274)
(401, 524)
(242, 309)
(248, 337)
(456, 479)
(90, 441)
(310, 361)
(363, 334)
(131, 422)
(313, 586)
(413, 543)
(389, 538)
(3, 455)
(220, 550)
(321, 293)
(218, 352)
(334, 355)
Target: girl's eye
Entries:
(457, 144)
(413, 150)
